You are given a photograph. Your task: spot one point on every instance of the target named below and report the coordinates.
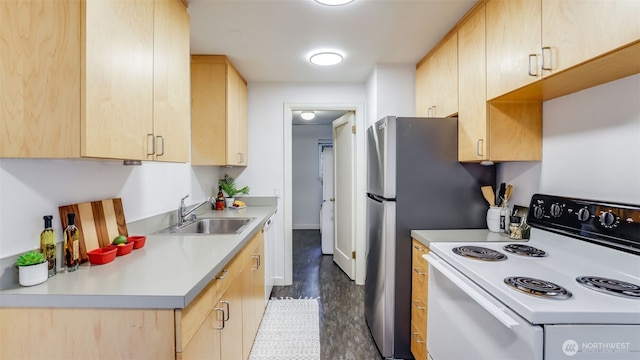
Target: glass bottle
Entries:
(71, 244)
(505, 215)
(48, 245)
(220, 199)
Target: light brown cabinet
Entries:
(419, 294)
(437, 81)
(494, 131)
(233, 307)
(529, 40)
(219, 112)
(81, 76)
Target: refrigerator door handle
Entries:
(378, 198)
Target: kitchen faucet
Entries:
(183, 213)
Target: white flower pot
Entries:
(33, 274)
(229, 201)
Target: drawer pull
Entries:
(416, 336)
(224, 274)
(415, 302)
(223, 320)
(419, 248)
(417, 270)
(228, 312)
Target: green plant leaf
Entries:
(30, 258)
(228, 185)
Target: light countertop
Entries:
(167, 273)
(463, 235)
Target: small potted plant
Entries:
(33, 268)
(228, 185)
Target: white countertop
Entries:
(463, 235)
(167, 273)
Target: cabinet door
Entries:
(424, 97)
(117, 106)
(576, 31)
(445, 88)
(171, 98)
(206, 342)
(231, 334)
(513, 34)
(40, 72)
(253, 303)
(237, 131)
(472, 80)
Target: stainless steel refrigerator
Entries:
(414, 182)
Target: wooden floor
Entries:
(344, 334)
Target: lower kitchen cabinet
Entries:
(419, 290)
(234, 303)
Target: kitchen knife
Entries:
(501, 191)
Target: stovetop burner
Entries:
(610, 286)
(524, 250)
(479, 253)
(537, 287)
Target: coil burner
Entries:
(479, 253)
(524, 250)
(610, 286)
(537, 287)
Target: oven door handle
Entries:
(497, 312)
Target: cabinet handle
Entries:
(417, 270)
(228, 312)
(240, 158)
(415, 302)
(162, 142)
(224, 274)
(415, 336)
(548, 50)
(153, 144)
(419, 248)
(479, 147)
(531, 73)
(223, 320)
(257, 257)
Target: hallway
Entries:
(343, 330)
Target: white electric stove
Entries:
(571, 292)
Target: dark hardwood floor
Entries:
(344, 334)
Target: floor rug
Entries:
(290, 329)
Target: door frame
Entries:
(361, 184)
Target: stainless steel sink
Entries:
(210, 226)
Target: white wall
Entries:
(265, 173)
(591, 147)
(391, 91)
(307, 189)
(30, 189)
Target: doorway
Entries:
(360, 181)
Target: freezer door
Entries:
(380, 284)
(381, 157)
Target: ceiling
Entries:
(269, 40)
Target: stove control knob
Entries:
(608, 220)
(538, 211)
(583, 214)
(556, 210)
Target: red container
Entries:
(102, 255)
(138, 241)
(123, 249)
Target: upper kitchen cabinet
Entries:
(171, 81)
(82, 79)
(569, 45)
(513, 42)
(495, 131)
(219, 112)
(437, 81)
(575, 31)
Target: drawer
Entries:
(418, 342)
(189, 319)
(419, 313)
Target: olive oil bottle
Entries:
(48, 245)
(71, 244)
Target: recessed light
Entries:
(326, 58)
(334, 2)
(308, 115)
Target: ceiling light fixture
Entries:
(334, 2)
(326, 58)
(308, 115)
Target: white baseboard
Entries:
(306, 227)
(279, 281)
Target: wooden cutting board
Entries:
(98, 223)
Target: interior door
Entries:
(327, 209)
(344, 190)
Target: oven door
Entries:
(465, 322)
